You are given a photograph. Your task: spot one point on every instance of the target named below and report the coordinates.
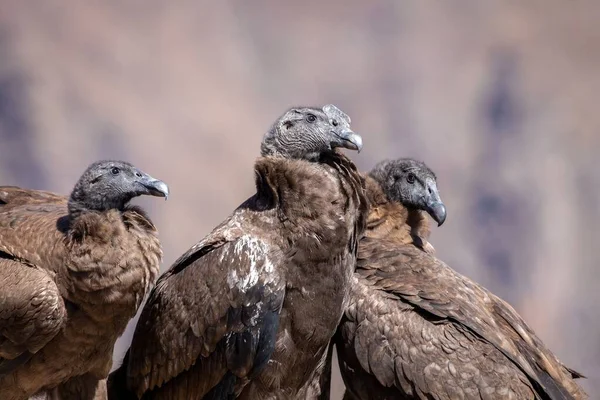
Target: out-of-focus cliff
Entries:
(499, 98)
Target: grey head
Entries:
(308, 132)
(109, 185)
(411, 183)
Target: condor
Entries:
(416, 329)
(250, 309)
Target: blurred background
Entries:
(499, 98)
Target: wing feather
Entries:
(13, 196)
(31, 313)
(32, 226)
(467, 316)
(31, 307)
(215, 311)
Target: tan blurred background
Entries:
(499, 98)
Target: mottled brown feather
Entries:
(415, 328)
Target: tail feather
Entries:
(574, 374)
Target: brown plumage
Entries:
(73, 272)
(248, 311)
(416, 329)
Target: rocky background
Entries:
(499, 98)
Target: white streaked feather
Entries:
(255, 250)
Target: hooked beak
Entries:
(347, 139)
(154, 187)
(434, 205)
(437, 212)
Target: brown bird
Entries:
(417, 329)
(73, 272)
(248, 311)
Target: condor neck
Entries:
(389, 219)
(300, 189)
(79, 207)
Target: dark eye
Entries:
(410, 178)
(311, 118)
(334, 122)
(115, 170)
(139, 175)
